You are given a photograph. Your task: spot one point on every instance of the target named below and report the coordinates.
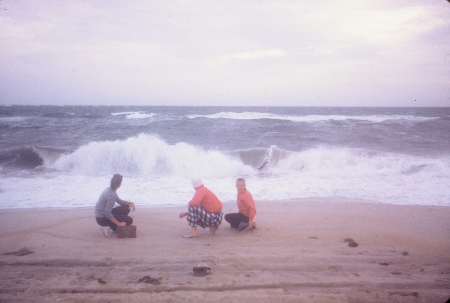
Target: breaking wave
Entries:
(135, 115)
(151, 156)
(312, 118)
(30, 157)
(148, 155)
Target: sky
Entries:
(249, 53)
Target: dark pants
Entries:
(235, 218)
(120, 213)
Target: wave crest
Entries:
(27, 158)
(313, 118)
(135, 115)
(20, 158)
(149, 155)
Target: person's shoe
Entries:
(105, 230)
(242, 226)
(190, 236)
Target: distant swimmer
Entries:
(108, 217)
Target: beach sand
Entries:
(301, 251)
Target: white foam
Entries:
(135, 115)
(148, 155)
(157, 173)
(49, 155)
(141, 116)
(312, 118)
(342, 172)
(13, 119)
(123, 113)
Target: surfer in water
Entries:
(264, 163)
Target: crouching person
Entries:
(243, 220)
(204, 210)
(108, 216)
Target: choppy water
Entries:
(64, 156)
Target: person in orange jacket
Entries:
(205, 210)
(244, 219)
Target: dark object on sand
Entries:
(128, 231)
(21, 252)
(150, 280)
(101, 281)
(351, 242)
(201, 270)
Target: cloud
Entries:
(238, 52)
(255, 55)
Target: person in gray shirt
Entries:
(108, 216)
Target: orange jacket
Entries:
(205, 198)
(246, 205)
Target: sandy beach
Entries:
(314, 250)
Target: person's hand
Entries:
(247, 228)
(182, 215)
(132, 206)
(250, 226)
(122, 224)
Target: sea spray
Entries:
(64, 156)
(148, 155)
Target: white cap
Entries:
(196, 182)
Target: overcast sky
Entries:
(295, 53)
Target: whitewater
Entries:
(63, 157)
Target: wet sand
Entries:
(312, 250)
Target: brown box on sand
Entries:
(128, 231)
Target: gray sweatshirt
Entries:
(106, 203)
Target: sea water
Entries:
(64, 156)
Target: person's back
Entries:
(207, 199)
(108, 216)
(204, 210)
(101, 205)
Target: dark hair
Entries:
(240, 179)
(116, 181)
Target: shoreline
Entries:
(299, 252)
(297, 201)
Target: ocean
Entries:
(64, 156)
